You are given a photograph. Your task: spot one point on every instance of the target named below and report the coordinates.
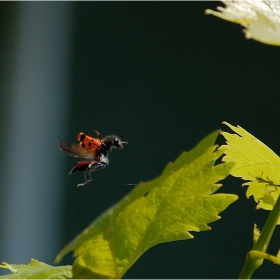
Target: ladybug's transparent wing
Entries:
(77, 151)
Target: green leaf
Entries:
(36, 270)
(162, 210)
(255, 162)
(261, 18)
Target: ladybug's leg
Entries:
(88, 178)
(95, 165)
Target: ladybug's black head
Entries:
(112, 141)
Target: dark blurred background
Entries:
(164, 75)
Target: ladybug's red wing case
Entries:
(77, 151)
(89, 142)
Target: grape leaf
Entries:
(36, 270)
(161, 210)
(255, 162)
(261, 18)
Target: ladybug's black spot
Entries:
(82, 138)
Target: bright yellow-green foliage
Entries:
(255, 162)
(165, 209)
(261, 18)
(162, 210)
(37, 270)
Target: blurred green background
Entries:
(164, 75)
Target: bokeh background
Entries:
(164, 75)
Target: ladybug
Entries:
(94, 151)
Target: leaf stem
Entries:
(253, 260)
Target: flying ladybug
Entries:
(94, 151)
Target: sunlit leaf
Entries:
(261, 18)
(162, 210)
(255, 162)
(37, 270)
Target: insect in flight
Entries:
(94, 151)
